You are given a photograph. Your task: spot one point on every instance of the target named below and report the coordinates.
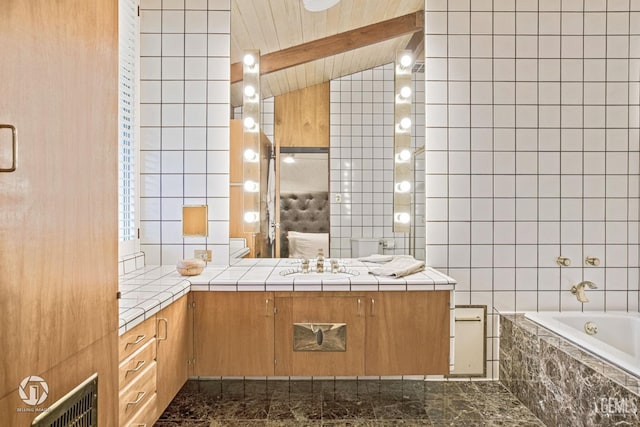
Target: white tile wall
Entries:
(532, 120)
(361, 166)
(532, 108)
(184, 125)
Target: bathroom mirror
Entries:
(304, 197)
(359, 172)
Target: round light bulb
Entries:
(406, 60)
(405, 123)
(249, 91)
(249, 123)
(403, 218)
(250, 155)
(249, 60)
(405, 92)
(404, 155)
(289, 159)
(403, 186)
(251, 217)
(251, 186)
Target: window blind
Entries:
(128, 45)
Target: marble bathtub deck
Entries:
(345, 403)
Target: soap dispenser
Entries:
(320, 261)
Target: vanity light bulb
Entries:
(251, 186)
(249, 123)
(251, 217)
(405, 92)
(249, 60)
(289, 159)
(406, 60)
(250, 155)
(403, 186)
(405, 123)
(403, 218)
(404, 156)
(249, 91)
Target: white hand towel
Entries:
(402, 265)
(377, 258)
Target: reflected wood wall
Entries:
(302, 117)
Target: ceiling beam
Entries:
(336, 44)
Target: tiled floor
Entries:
(345, 403)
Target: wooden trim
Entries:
(336, 44)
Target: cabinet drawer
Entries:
(136, 338)
(137, 393)
(135, 364)
(147, 415)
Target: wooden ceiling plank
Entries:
(339, 43)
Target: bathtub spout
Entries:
(578, 290)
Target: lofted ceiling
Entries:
(277, 27)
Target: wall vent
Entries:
(78, 408)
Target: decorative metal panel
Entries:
(319, 337)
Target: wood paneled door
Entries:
(58, 209)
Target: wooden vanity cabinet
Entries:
(154, 360)
(233, 333)
(174, 337)
(387, 333)
(407, 333)
(138, 373)
(302, 307)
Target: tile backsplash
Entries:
(532, 117)
(184, 118)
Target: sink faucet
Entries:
(578, 290)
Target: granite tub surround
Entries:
(147, 290)
(562, 384)
(303, 402)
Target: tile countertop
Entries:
(148, 290)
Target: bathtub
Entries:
(617, 339)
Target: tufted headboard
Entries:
(302, 212)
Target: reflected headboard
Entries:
(302, 212)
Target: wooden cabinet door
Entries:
(233, 333)
(58, 209)
(317, 309)
(407, 333)
(174, 326)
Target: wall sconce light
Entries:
(251, 140)
(402, 175)
(195, 221)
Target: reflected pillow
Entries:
(306, 245)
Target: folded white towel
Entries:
(377, 258)
(402, 265)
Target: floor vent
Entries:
(79, 408)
